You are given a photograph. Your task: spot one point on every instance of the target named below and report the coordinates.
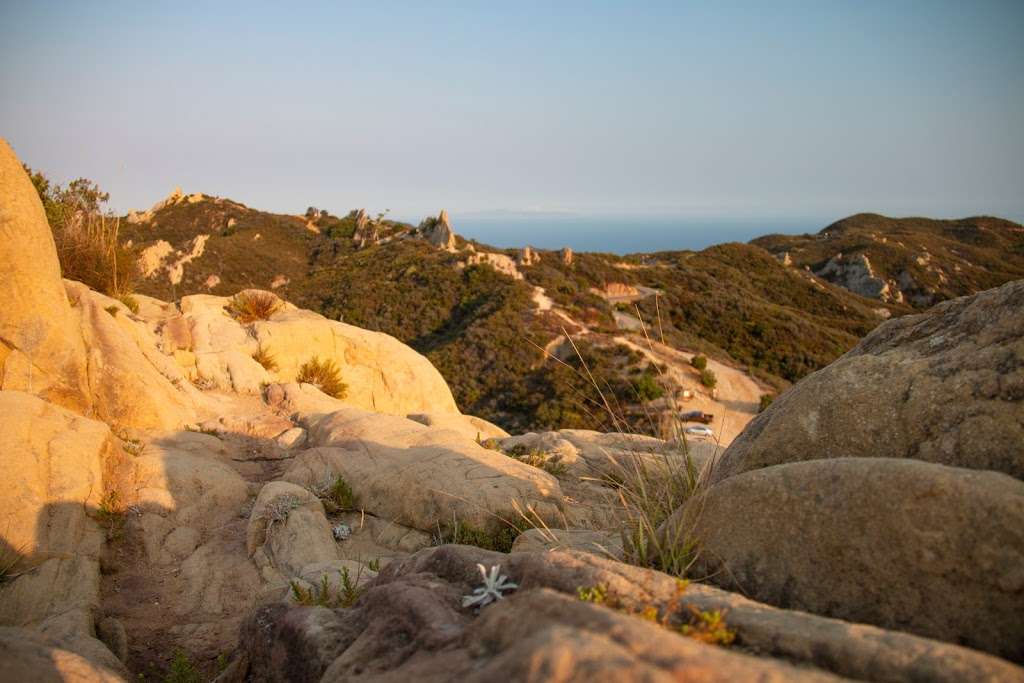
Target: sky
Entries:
(785, 111)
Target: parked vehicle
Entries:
(698, 430)
(696, 416)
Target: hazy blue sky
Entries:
(776, 110)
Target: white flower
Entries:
(494, 585)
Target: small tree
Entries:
(708, 378)
(699, 361)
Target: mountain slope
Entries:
(919, 261)
(529, 339)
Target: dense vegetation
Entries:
(928, 260)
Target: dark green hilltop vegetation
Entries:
(746, 305)
(922, 260)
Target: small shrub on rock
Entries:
(337, 495)
(499, 539)
(708, 378)
(324, 375)
(706, 626)
(699, 361)
(248, 307)
(266, 359)
(322, 596)
(766, 400)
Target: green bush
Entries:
(699, 361)
(766, 400)
(708, 378)
(647, 387)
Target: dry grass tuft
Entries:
(250, 306)
(266, 359)
(324, 375)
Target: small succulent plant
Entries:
(495, 584)
(341, 531)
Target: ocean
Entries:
(622, 234)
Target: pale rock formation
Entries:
(439, 232)
(151, 259)
(146, 216)
(468, 426)
(527, 257)
(366, 232)
(124, 361)
(500, 262)
(898, 543)
(421, 477)
(279, 281)
(856, 274)
(211, 282)
(41, 350)
(566, 256)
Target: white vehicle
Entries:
(700, 430)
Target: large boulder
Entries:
(422, 477)
(946, 386)
(383, 374)
(41, 349)
(908, 545)
(25, 656)
(52, 475)
(124, 362)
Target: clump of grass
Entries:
(766, 400)
(110, 515)
(708, 378)
(321, 595)
(9, 559)
(337, 495)
(324, 375)
(250, 306)
(534, 457)
(112, 310)
(182, 670)
(498, 538)
(374, 564)
(707, 626)
(266, 359)
(130, 302)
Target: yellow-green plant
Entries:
(324, 375)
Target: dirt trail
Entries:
(737, 395)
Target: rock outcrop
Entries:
(856, 274)
(903, 544)
(438, 232)
(41, 350)
(566, 256)
(945, 386)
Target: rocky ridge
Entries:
(171, 491)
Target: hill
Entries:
(553, 338)
(917, 261)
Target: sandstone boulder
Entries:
(422, 477)
(945, 386)
(52, 475)
(27, 657)
(468, 426)
(41, 349)
(288, 522)
(903, 544)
